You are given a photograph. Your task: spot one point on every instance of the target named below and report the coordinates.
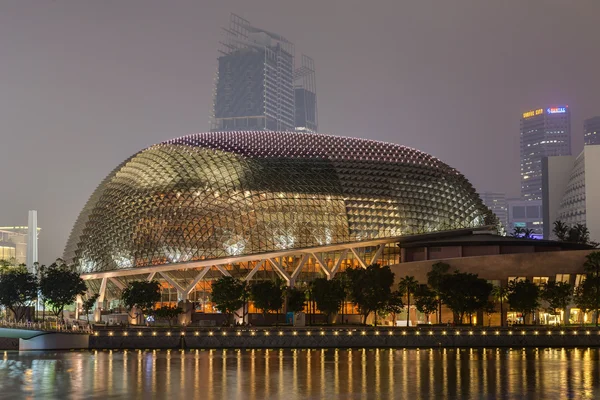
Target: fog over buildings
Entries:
(86, 84)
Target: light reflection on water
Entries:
(303, 374)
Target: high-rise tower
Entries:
(591, 130)
(258, 87)
(545, 132)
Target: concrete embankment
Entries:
(269, 338)
(344, 338)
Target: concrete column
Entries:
(97, 314)
(78, 303)
(182, 296)
(32, 240)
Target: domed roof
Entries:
(218, 194)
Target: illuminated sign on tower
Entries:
(556, 110)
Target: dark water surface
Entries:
(303, 374)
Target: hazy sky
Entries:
(86, 83)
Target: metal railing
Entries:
(46, 326)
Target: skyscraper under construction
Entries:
(258, 86)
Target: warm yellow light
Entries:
(110, 333)
(125, 333)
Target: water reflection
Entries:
(301, 374)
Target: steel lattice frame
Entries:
(217, 195)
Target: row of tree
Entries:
(57, 286)
(522, 296)
(577, 233)
(371, 291)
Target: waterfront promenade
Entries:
(143, 337)
(330, 337)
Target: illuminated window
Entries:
(516, 279)
(562, 278)
(579, 278)
(540, 280)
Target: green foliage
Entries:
(426, 300)
(371, 288)
(296, 299)
(587, 294)
(142, 295)
(561, 231)
(592, 287)
(408, 285)
(524, 233)
(229, 295)
(524, 297)
(592, 264)
(267, 295)
(464, 293)
(168, 313)
(18, 290)
(577, 233)
(500, 294)
(557, 294)
(328, 294)
(88, 304)
(434, 280)
(60, 286)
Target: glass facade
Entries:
(225, 194)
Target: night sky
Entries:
(86, 83)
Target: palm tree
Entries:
(501, 294)
(408, 285)
(434, 279)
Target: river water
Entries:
(303, 374)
